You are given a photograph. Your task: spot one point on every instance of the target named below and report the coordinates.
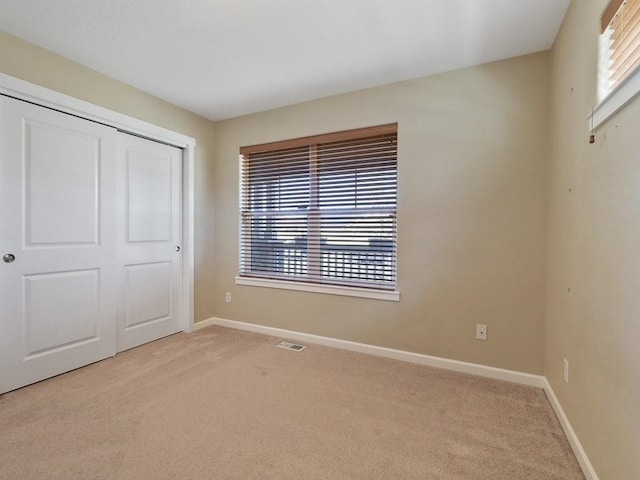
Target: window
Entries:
(321, 210)
(618, 78)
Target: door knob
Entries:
(8, 258)
(177, 248)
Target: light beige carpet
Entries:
(226, 404)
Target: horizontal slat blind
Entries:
(609, 13)
(322, 212)
(623, 37)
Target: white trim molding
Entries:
(29, 92)
(203, 324)
(411, 357)
(616, 100)
(587, 469)
(188, 235)
(393, 296)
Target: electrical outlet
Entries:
(481, 332)
(227, 297)
(565, 370)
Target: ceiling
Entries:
(226, 58)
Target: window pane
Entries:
(275, 245)
(358, 174)
(278, 180)
(359, 248)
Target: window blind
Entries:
(321, 209)
(621, 33)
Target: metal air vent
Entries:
(291, 346)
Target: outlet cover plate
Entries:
(481, 332)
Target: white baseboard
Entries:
(203, 323)
(418, 358)
(581, 455)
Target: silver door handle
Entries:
(8, 258)
(177, 248)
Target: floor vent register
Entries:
(291, 346)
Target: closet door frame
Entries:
(23, 90)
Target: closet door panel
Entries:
(58, 243)
(150, 240)
(62, 185)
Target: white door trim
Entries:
(23, 90)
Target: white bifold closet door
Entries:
(90, 222)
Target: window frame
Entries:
(315, 285)
(612, 101)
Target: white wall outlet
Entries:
(227, 297)
(565, 370)
(481, 332)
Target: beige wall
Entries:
(594, 249)
(477, 243)
(36, 65)
(471, 216)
